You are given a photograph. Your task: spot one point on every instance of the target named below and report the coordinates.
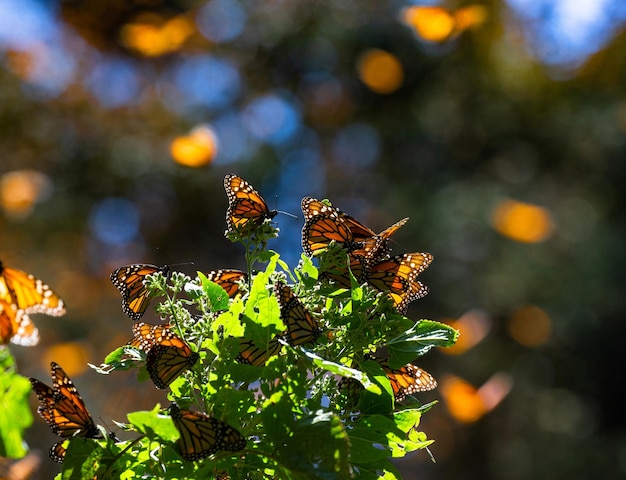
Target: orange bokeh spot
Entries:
(473, 326)
(21, 189)
(468, 404)
(151, 36)
(437, 24)
(530, 326)
(433, 24)
(196, 149)
(72, 356)
(522, 222)
(380, 71)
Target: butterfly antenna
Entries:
(288, 214)
(179, 264)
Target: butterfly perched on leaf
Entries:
(397, 276)
(167, 355)
(202, 435)
(252, 354)
(407, 380)
(27, 293)
(16, 326)
(229, 279)
(302, 328)
(63, 409)
(129, 280)
(246, 208)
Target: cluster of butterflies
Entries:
(168, 355)
(20, 295)
(369, 261)
(63, 409)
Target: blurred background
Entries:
(498, 127)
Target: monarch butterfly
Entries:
(129, 281)
(16, 326)
(246, 208)
(202, 435)
(228, 279)
(301, 326)
(28, 293)
(63, 410)
(322, 225)
(407, 380)
(251, 354)
(375, 246)
(167, 355)
(397, 276)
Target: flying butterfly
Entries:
(167, 355)
(246, 208)
(397, 276)
(63, 409)
(302, 328)
(16, 326)
(129, 280)
(251, 354)
(229, 279)
(202, 435)
(407, 380)
(28, 293)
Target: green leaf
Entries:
(217, 296)
(15, 414)
(418, 340)
(154, 424)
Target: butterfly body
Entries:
(129, 280)
(246, 208)
(202, 435)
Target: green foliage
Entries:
(15, 415)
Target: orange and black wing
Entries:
(246, 208)
(251, 354)
(302, 328)
(129, 280)
(322, 225)
(166, 362)
(202, 435)
(407, 380)
(28, 293)
(228, 279)
(397, 276)
(16, 326)
(146, 336)
(62, 407)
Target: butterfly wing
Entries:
(202, 435)
(228, 279)
(251, 354)
(302, 328)
(397, 275)
(166, 362)
(16, 326)
(146, 335)
(407, 380)
(62, 407)
(28, 293)
(322, 225)
(58, 450)
(129, 280)
(246, 208)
